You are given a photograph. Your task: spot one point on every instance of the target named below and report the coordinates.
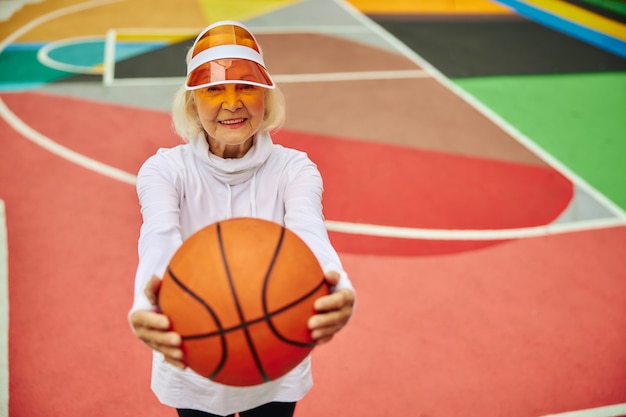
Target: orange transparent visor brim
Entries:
(225, 71)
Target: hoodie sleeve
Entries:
(303, 216)
(160, 234)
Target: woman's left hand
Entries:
(333, 311)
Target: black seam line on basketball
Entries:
(258, 320)
(268, 316)
(226, 330)
(208, 308)
(244, 326)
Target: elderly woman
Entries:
(227, 168)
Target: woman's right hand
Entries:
(153, 329)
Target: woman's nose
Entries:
(232, 101)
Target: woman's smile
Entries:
(233, 123)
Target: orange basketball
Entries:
(240, 293)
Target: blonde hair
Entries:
(187, 122)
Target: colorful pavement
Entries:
(473, 155)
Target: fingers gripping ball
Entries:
(240, 293)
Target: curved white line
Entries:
(60, 150)
(52, 15)
(45, 59)
(469, 234)
(40, 139)
(4, 315)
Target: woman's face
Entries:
(231, 114)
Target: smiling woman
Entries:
(229, 168)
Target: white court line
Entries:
(484, 110)
(110, 42)
(110, 80)
(608, 411)
(43, 55)
(108, 74)
(482, 234)
(62, 151)
(52, 15)
(350, 76)
(4, 314)
(117, 174)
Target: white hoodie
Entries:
(186, 188)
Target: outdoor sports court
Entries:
(473, 154)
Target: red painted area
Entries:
(406, 187)
(72, 252)
(120, 136)
(524, 328)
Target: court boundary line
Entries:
(471, 234)
(109, 79)
(4, 313)
(488, 113)
(615, 410)
(65, 153)
(109, 61)
(4, 299)
(89, 163)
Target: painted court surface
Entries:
(473, 157)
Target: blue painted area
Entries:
(573, 29)
(16, 87)
(21, 70)
(84, 54)
(24, 46)
(91, 53)
(125, 50)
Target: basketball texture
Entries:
(240, 293)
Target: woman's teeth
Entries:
(232, 121)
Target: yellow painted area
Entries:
(96, 20)
(430, 6)
(216, 10)
(582, 17)
(155, 36)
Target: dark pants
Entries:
(266, 410)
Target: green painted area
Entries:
(22, 67)
(580, 119)
(617, 6)
(21, 70)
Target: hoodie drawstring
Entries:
(253, 195)
(229, 205)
